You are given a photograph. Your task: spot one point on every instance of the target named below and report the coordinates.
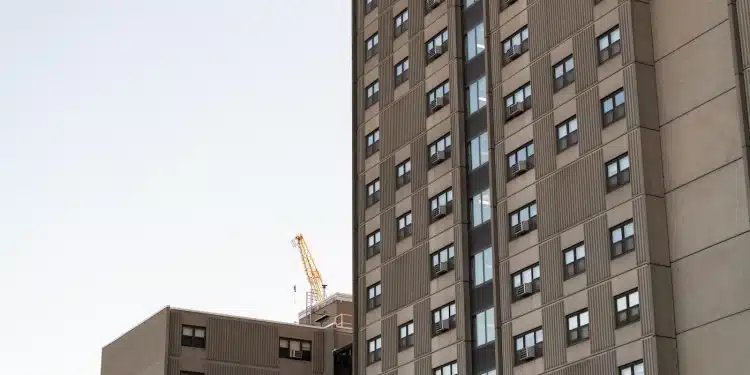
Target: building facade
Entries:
(551, 187)
(185, 342)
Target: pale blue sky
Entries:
(165, 152)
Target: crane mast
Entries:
(313, 275)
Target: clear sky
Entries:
(165, 152)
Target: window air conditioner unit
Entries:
(521, 228)
(433, 3)
(519, 167)
(524, 290)
(442, 268)
(444, 325)
(513, 52)
(528, 353)
(295, 353)
(515, 109)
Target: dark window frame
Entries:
(374, 248)
(511, 50)
(621, 163)
(372, 142)
(626, 243)
(484, 254)
(519, 288)
(406, 339)
(439, 211)
(504, 4)
(475, 327)
(519, 229)
(450, 367)
(191, 373)
(567, 76)
(436, 263)
(439, 326)
(476, 86)
(372, 93)
(372, 190)
(438, 97)
(436, 46)
(374, 299)
(369, 6)
(432, 4)
(613, 48)
(474, 33)
(632, 367)
(475, 205)
(474, 150)
(401, 23)
(286, 352)
(630, 314)
(527, 151)
(374, 349)
(371, 46)
(515, 107)
(403, 173)
(618, 110)
(580, 332)
(518, 357)
(402, 77)
(434, 154)
(578, 264)
(193, 340)
(570, 138)
(405, 231)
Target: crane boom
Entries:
(313, 275)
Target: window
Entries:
(438, 98)
(627, 307)
(479, 151)
(523, 220)
(373, 244)
(194, 336)
(481, 264)
(468, 3)
(444, 319)
(373, 192)
(401, 23)
(622, 239)
(480, 208)
(506, 3)
(476, 95)
(635, 368)
(564, 73)
(437, 46)
(567, 134)
(373, 296)
(404, 226)
(370, 5)
(613, 107)
(518, 102)
(440, 150)
(520, 160)
(295, 349)
(371, 46)
(516, 45)
(484, 327)
(447, 369)
(618, 172)
(491, 372)
(400, 71)
(529, 345)
(441, 205)
(578, 327)
(374, 349)
(575, 260)
(190, 373)
(432, 4)
(406, 335)
(443, 260)
(609, 44)
(526, 282)
(372, 91)
(403, 173)
(474, 41)
(373, 142)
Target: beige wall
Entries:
(141, 351)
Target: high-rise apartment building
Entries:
(551, 187)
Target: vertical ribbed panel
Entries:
(417, 61)
(601, 317)
(419, 163)
(410, 269)
(605, 364)
(555, 343)
(385, 33)
(455, 44)
(422, 328)
(631, 96)
(456, 77)
(390, 342)
(647, 300)
(360, 148)
(362, 301)
(550, 263)
(650, 357)
(228, 369)
(361, 198)
(497, 114)
(361, 99)
(640, 223)
(420, 213)
(402, 121)
(541, 85)
(463, 357)
(502, 229)
(635, 154)
(564, 17)
(743, 13)
(626, 33)
(387, 182)
(545, 147)
(504, 291)
(319, 352)
(423, 366)
(459, 194)
(175, 333)
(362, 349)
(538, 24)
(386, 79)
(500, 179)
(585, 58)
(570, 196)
(496, 44)
(242, 342)
(588, 112)
(361, 240)
(173, 366)
(388, 234)
(506, 349)
(463, 258)
(416, 19)
(463, 312)
(596, 241)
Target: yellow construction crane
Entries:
(313, 275)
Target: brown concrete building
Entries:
(551, 187)
(184, 342)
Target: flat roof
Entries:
(330, 299)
